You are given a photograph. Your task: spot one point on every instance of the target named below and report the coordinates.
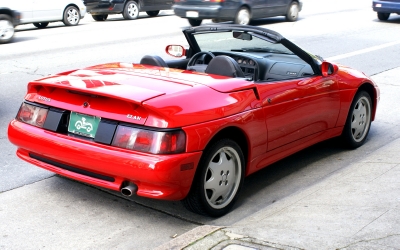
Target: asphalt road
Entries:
(41, 210)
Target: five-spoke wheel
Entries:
(71, 16)
(131, 10)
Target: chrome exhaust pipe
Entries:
(129, 189)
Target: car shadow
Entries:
(392, 19)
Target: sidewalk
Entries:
(356, 208)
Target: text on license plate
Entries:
(84, 125)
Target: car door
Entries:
(48, 10)
(298, 108)
(274, 7)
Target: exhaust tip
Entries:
(129, 189)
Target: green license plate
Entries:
(85, 125)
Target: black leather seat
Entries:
(224, 66)
(153, 60)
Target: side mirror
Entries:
(175, 50)
(328, 68)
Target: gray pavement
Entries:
(358, 207)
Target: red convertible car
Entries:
(237, 99)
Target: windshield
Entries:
(226, 41)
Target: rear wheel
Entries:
(195, 22)
(243, 16)
(131, 10)
(71, 16)
(41, 25)
(293, 12)
(99, 17)
(358, 121)
(152, 13)
(218, 179)
(6, 29)
(383, 16)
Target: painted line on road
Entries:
(363, 51)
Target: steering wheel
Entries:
(194, 66)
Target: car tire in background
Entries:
(218, 179)
(71, 16)
(383, 16)
(99, 17)
(243, 16)
(153, 13)
(358, 121)
(131, 10)
(41, 25)
(293, 12)
(195, 22)
(6, 29)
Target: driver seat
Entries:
(224, 66)
(153, 60)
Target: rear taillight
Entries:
(148, 141)
(32, 115)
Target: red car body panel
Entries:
(276, 118)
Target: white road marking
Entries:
(362, 51)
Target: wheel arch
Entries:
(71, 5)
(371, 90)
(7, 12)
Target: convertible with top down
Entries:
(237, 99)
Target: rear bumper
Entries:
(386, 7)
(96, 9)
(205, 12)
(157, 176)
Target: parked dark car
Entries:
(100, 9)
(8, 20)
(385, 8)
(239, 11)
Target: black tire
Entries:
(153, 13)
(243, 16)
(218, 179)
(72, 16)
(6, 29)
(131, 10)
(358, 121)
(100, 18)
(41, 25)
(293, 12)
(383, 16)
(195, 22)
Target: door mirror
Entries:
(328, 68)
(242, 35)
(175, 50)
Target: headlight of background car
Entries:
(148, 141)
(32, 115)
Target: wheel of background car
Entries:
(193, 62)
(152, 13)
(195, 22)
(218, 179)
(131, 10)
(243, 16)
(6, 29)
(41, 25)
(358, 120)
(71, 16)
(383, 16)
(293, 12)
(99, 17)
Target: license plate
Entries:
(192, 14)
(84, 125)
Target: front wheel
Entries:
(358, 121)
(153, 13)
(99, 17)
(195, 22)
(41, 25)
(293, 12)
(383, 16)
(71, 16)
(131, 10)
(243, 16)
(218, 179)
(6, 29)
